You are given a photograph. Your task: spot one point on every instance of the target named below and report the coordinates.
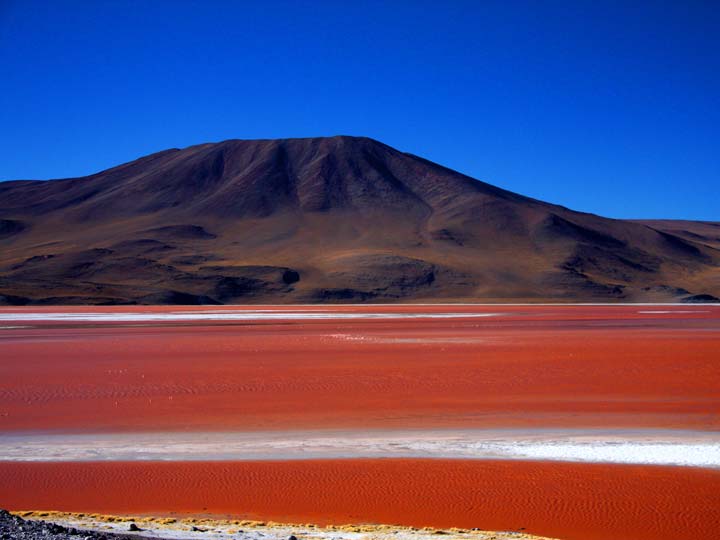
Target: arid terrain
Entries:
(338, 219)
(360, 270)
(571, 422)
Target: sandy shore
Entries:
(188, 528)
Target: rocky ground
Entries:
(327, 220)
(16, 528)
(68, 526)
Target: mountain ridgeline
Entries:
(337, 219)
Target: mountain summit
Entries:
(327, 219)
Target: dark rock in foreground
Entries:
(701, 299)
(16, 528)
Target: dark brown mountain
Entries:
(340, 219)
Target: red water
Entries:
(534, 366)
(561, 500)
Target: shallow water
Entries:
(556, 419)
(662, 447)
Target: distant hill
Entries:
(337, 219)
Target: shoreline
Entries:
(213, 528)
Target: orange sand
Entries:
(538, 366)
(569, 501)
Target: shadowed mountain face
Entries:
(341, 219)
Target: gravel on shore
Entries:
(36, 525)
(13, 527)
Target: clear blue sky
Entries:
(602, 106)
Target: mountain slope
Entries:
(326, 219)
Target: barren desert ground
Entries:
(575, 422)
